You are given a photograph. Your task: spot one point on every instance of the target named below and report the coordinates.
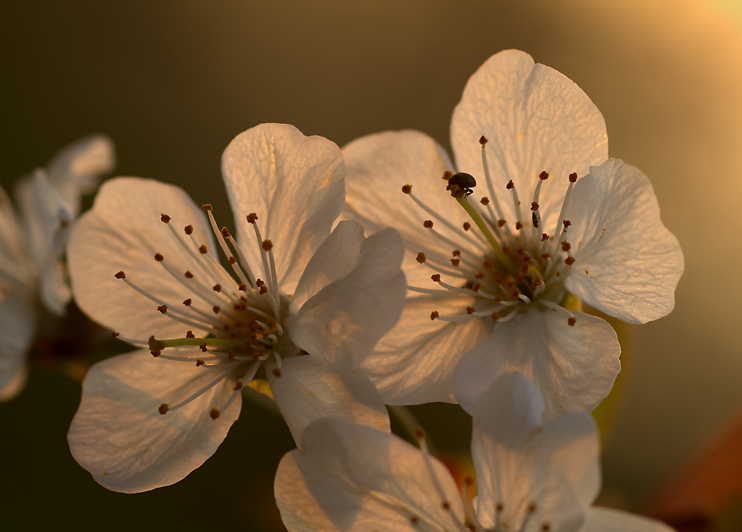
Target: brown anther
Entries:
(242, 287)
(155, 346)
(467, 226)
(255, 355)
(434, 315)
(421, 257)
(482, 140)
(545, 255)
(237, 386)
(566, 223)
(484, 201)
(436, 277)
(263, 290)
(188, 229)
(203, 249)
(470, 310)
(499, 507)
(189, 334)
(573, 177)
(277, 372)
(534, 206)
(187, 302)
(545, 527)
(487, 265)
(231, 355)
(114, 334)
(456, 253)
(447, 175)
(495, 316)
(217, 288)
(569, 261)
(506, 250)
(216, 309)
(199, 362)
(498, 299)
(428, 224)
(543, 176)
(188, 275)
(259, 282)
(531, 507)
(202, 347)
(251, 218)
(445, 505)
(476, 286)
(510, 185)
(535, 282)
(214, 413)
(566, 246)
(120, 275)
(419, 433)
(544, 237)
(479, 275)
(455, 262)
(407, 189)
(231, 260)
(207, 207)
(501, 223)
(164, 218)
(267, 245)
(518, 225)
(571, 321)
(162, 308)
(163, 408)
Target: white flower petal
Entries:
(307, 390)
(122, 232)
(414, 362)
(378, 166)
(628, 263)
(535, 119)
(342, 322)
(294, 184)
(352, 478)
(17, 329)
(608, 520)
(573, 367)
(120, 437)
(75, 170)
(519, 462)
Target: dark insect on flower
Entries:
(461, 182)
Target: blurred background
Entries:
(173, 81)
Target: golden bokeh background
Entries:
(173, 81)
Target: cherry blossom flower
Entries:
(546, 216)
(33, 275)
(532, 476)
(298, 305)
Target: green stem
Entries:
(471, 211)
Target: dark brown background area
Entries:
(173, 81)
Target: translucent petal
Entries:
(609, 520)
(17, 329)
(573, 367)
(294, 184)
(120, 437)
(357, 479)
(535, 119)
(628, 263)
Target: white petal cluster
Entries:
(490, 284)
(532, 476)
(32, 243)
(301, 307)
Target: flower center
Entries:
(508, 267)
(240, 316)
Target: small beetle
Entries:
(460, 184)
